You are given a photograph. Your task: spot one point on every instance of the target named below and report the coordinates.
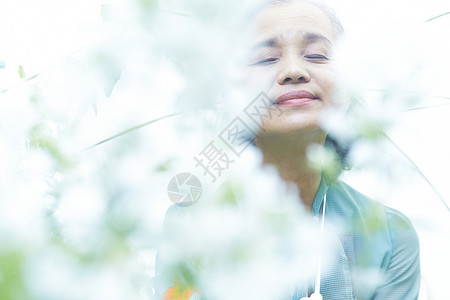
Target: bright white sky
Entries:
(37, 34)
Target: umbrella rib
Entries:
(418, 170)
(411, 92)
(434, 18)
(426, 107)
(422, 94)
(28, 79)
(24, 80)
(130, 130)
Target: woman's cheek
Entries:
(327, 81)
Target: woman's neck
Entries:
(288, 153)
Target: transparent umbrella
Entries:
(419, 147)
(416, 151)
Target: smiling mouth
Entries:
(296, 98)
(296, 102)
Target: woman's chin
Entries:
(291, 125)
(297, 129)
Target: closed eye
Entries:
(316, 57)
(266, 61)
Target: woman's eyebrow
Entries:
(309, 37)
(267, 43)
(312, 37)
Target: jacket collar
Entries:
(318, 201)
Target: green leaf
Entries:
(12, 285)
(21, 72)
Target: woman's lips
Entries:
(296, 98)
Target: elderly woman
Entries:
(292, 61)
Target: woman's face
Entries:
(291, 62)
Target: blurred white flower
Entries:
(53, 274)
(82, 213)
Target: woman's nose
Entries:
(293, 71)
